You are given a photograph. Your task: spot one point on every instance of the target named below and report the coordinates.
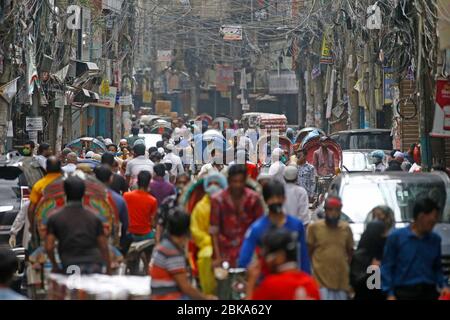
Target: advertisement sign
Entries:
(283, 83)
(231, 33)
(224, 77)
(389, 85)
(126, 100)
(107, 100)
(326, 56)
(164, 55)
(441, 126)
(147, 96)
(34, 124)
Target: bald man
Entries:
(72, 161)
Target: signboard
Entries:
(441, 125)
(389, 85)
(126, 100)
(231, 33)
(283, 83)
(147, 96)
(10, 132)
(224, 77)
(316, 72)
(326, 56)
(107, 100)
(33, 136)
(104, 87)
(164, 55)
(34, 124)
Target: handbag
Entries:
(361, 260)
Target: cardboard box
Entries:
(163, 107)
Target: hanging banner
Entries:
(389, 85)
(441, 125)
(164, 55)
(231, 33)
(104, 87)
(316, 72)
(326, 56)
(9, 90)
(224, 77)
(283, 83)
(10, 132)
(126, 100)
(147, 96)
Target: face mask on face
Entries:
(26, 152)
(276, 208)
(332, 221)
(212, 190)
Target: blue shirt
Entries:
(123, 212)
(8, 294)
(256, 232)
(409, 260)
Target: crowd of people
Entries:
(247, 218)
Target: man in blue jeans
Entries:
(411, 268)
(274, 196)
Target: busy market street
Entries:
(224, 150)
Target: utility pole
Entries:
(372, 103)
(353, 101)
(308, 95)
(423, 133)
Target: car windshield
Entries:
(357, 161)
(8, 196)
(360, 197)
(381, 141)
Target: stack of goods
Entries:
(273, 122)
(163, 107)
(98, 287)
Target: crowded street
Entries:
(299, 151)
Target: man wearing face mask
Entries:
(200, 218)
(377, 159)
(274, 196)
(169, 205)
(32, 170)
(330, 243)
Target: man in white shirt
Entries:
(277, 167)
(297, 201)
(71, 166)
(216, 165)
(44, 151)
(139, 163)
(177, 165)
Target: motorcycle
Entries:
(138, 257)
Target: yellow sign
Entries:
(327, 56)
(104, 87)
(147, 96)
